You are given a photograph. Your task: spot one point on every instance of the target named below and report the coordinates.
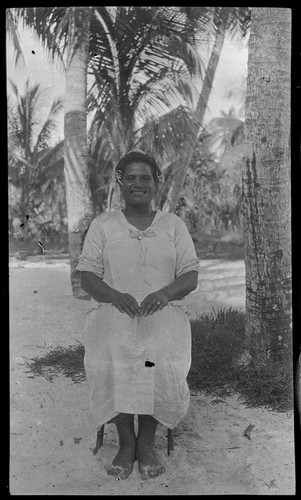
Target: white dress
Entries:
(138, 365)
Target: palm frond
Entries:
(165, 136)
(43, 139)
(169, 93)
(49, 24)
(52, 155)
(28, 138)
(234, 19)
(221, 133)
(13, 33)
(14, 88)
(113, 49)
(148, 41)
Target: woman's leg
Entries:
(122, 465)
(148, 463)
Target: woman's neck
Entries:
(138, 212)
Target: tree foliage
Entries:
(34, 158)
(143, 73)
(143, 62)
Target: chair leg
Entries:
(170, 441)
(99, 439)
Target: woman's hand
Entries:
(125, 303)
(153, 302)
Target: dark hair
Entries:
(134, 156)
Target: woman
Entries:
(136, 264)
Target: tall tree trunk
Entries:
(182, 166)
(266, 184)
(78, 191)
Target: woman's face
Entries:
(138, 185)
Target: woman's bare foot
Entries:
(149, 465)
(123, 463)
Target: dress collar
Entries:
(158, 216)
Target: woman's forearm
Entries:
(102, 292)
(182, 286)
(96, 287)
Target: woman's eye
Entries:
(144, 179)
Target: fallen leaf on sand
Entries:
(247, 431)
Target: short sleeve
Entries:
(91, 258)
(186, 257)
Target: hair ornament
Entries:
(117, 175)
(160, 177)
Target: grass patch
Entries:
(217, 339)
(68, 361)
(218, 342)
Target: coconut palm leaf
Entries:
(44, 137)
(32, 134)
(50, 25)
(151, 76)
(164, 137)
(136, 49)
(234, 19)
(23, 120)
(222, 132)
(29, 138)
(13, 33)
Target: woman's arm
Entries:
(182, 286)
(96, 287)
(178, 289)
(102, 292)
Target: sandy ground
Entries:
(51, 436)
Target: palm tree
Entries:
(225, 19)
(66, 30)
(32, 155)
(266, 185)
(77, 176)
(142, 63)
(161, 48)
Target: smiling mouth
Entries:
(138, 192)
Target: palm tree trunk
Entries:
(266, 185)
(78, 192)
(181, 169)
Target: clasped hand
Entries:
(126, 303)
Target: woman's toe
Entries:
(149, 471)
(119, 472)
(113, 470)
